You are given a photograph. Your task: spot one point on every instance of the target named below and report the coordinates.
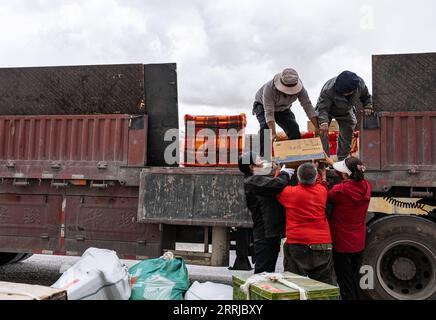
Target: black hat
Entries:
(245, 160)
(346, 82)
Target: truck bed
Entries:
(149, 89)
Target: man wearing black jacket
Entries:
(267, 213)
(337, 100)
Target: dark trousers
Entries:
(347, 124)
(266, 252)
(285, 119)
(315, 264)
(243, 238)
(347, 267)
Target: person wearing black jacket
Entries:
(338, 100)
(267, 213)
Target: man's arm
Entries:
(322, 181)
(365, 96)
(283, 196)
(366, 99)
(266, 185)
(272, 127)
(269, 108)
(323, 107)
(304, 99)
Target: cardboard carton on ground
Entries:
(334, 126)
(23, 291)
(270, 290)
(292, 153)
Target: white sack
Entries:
(98, 275)
(209, 291)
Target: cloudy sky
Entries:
(225, 50)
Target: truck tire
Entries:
(25, 257)
(401, 252)
(17, 258)
(9, 257)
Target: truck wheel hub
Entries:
(404, 268)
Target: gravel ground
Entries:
(46, 269)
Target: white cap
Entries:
(342, 167)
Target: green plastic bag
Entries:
(164, 278)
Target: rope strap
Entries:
(274, 277)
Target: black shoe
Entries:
(241, 264)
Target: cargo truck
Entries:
(82, 164)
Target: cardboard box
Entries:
(295, 152)
(334, 126)
(22, 291)
(269, 290)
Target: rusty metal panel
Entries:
(382, 181)
(100, 89)
(127, 250)
(62, 146)
(370, 145)
(108, 221)
(137, 154)
(45, 188)
(193, 196)
(72, 90)
(67, 138)
(30, 221)
(404, 82)
(408, 141)
(35, 219)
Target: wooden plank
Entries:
(193, 257)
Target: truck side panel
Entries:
(193, 196)
(408, 141)
(71, 146)
(110, 221)
(402, 152)
(68, 220)
(72, 143)
(29, 221)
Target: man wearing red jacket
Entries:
(350, 200)
(308, 248)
